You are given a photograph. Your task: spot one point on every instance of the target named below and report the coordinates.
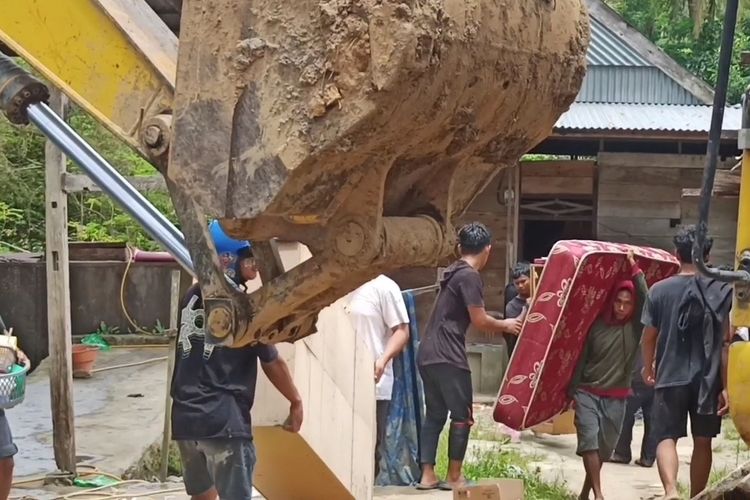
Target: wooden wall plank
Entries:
(633, 175)
(535, 186)
(643, 209)
(638, 192)
(646, 160)
(635, 226)
(558, 168)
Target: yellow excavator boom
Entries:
(738, 370)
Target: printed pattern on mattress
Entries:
(572, 289)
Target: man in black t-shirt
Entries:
(685, 345)
(442, 359)
(213, 389)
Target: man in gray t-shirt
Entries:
(515, 307)
(442, 359)
(685, 338)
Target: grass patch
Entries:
(729, 430)
(496, 463)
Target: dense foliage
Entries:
(687, 30)
(690, 32)
(92, 217)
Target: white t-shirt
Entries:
(375, 309)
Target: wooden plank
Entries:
(557, 185)
(558, 168)
(722, 220)
(649, 160)
(634, 226)
(74, 183)
(638, 192)
(174, 314)
(513, 223)
(662, 242)
(726, 183)
(629, 175)
(58, 303)
(640, 209)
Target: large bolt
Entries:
(220, 322)
(152, 136)
(155, 136)
(350, 239)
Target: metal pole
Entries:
(712, 153)
(111, 182)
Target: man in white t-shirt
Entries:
(379, 316)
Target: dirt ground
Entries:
(104, 409)
(555, 456)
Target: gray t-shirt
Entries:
(515, 307)
(445, 335)
(679, 361)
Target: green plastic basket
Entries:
(13, 387)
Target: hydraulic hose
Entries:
(712, 151)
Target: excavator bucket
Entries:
(360, 129)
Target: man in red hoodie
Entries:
(601, 383)
(442, 359)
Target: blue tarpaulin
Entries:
(399, 464)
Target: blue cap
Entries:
(229, 249)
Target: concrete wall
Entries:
(332, 456)
(95, 297)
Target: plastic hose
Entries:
(128, 365)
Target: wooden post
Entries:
(58, 302)
(174, 312)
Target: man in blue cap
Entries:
(213, 389)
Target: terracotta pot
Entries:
(84, 357)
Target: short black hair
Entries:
(245, 253)
(473, 238)
(683, 244)
(521, 269)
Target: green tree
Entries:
(690, 32)
(92, 217)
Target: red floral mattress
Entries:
(571, 291)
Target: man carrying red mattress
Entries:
(442, 359)
(601, 382)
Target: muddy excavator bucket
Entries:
(361, 129)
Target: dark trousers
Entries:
(382, 407)
(447, 389)
(643, 398)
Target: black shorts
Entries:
(669, 415)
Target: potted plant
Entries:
(84, 357)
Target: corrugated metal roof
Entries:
(644, 117)
(607, 49)
(632, 84)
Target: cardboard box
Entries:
(561, 424)
(498, 489)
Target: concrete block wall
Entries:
(332, 456)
